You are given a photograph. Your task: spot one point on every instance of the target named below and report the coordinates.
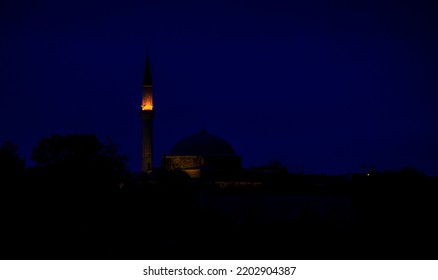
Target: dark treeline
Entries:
(79, 201)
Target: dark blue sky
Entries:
(319, 85)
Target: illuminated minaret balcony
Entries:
(146, 103)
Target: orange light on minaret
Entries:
(146, 103)
(147, 116)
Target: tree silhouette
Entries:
(80, 159)
(11, 163)
(12, 200)
(75, 190)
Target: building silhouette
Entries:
(203, 155)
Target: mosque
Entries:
(199, 155)
(211, 159)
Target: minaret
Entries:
(147, 117)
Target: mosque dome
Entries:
(202, 144)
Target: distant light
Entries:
(368, 174)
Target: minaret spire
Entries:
(147, 78)
(147, 116)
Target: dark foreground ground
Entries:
(380, 217)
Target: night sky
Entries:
(318, 85)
